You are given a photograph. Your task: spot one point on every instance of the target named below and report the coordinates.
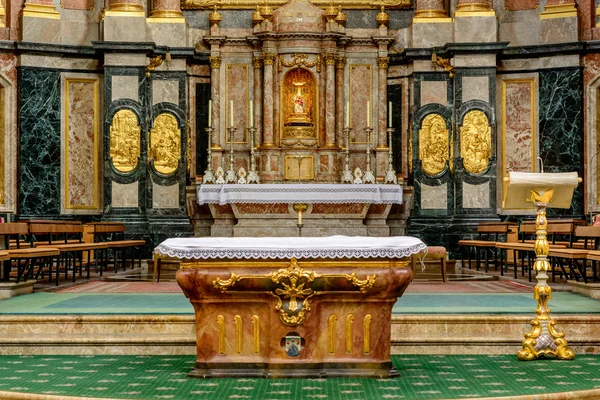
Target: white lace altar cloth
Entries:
(299, 193)
(328, 247)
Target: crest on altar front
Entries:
(298, 108)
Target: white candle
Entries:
(368, 114)
(231, 113)
(251, 116)
(347, 114)
(389, 114)
(210, 113)
(299, 216)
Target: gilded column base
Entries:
(40, 11)
(559, 11)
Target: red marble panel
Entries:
(377, 208)
(274, 164)
(518, 125)
(361, 90)
(248, 208)
(350, 208)
(237, 90)
(591, 68)
(517, 5)
(323, 164)
(77, 4)
(222, 209)
(81, 167)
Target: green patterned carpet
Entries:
(422, 377)
(410, 303)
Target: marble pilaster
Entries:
(124, 21)
(258, 80)
(330, 114)
(8, 133)
(339, 100)
(215, 69)
(268, 59)
(166, 25)
(382, 105)
(430, 24)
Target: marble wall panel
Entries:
(43, 30)
(80, 144)
(166, 34)
(361, 97)
(475, 88)
(165, 196)
(516, 5)
(39, 127)
(163, 91)
(476, 196)
(434, 197)
(237, 95)
(80, 27)
(125, 87)
(559, 61)
(561, 142)
(475, 29)
(434, 92)
(430, 35)
(8, 133)
(557, 30)
(124, 28)
(125, 60)
(35, 60)
(124, 195)
(519, 28)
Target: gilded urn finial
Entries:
(382, 18)
(256, 17)
(266, 12)
(215, 17)
(341, 17)
(331, 12)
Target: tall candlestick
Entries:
(251, 118)
(389, 114)
(368, 114)
(209, 113)
(347, 114)
(231, 113)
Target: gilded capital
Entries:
(215, 62)
(340, 62)
(268, 58)
(382, 62)
(257, 62)
(329, 58)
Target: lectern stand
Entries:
(521, 190)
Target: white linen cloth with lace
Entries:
(328, 247)
(299, 193)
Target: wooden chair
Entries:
(58, 236)
(489, 233)
(112, 234)
(25, 258)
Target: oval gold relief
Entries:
(433, 144)
(165, 143)
(475, 142)
(125, 140)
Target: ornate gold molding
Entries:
(40, 11)
(383, 62)
(246, 4)
(559, 11)
(215, 61)
(301, 60)
(221, 324)
(367, 334)
(348, 331)
(294, 285)
(268, 58)
(331, 328)
(238, 334)
(256, 324)
(257, 62)
(215, 17)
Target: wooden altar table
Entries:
(293, 307)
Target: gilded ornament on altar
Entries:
(300, 60)
(382, 18)
(433, 144)
(475, 142)
(246, 4)
(165, 144)
(125, 140)
(298, 107)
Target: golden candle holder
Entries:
(209, 176)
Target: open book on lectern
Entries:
(518, 186)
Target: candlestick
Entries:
(390, 175)
(368, 176)
(231, 176)
(231, 113)
(208, 176)
(252, 175)
(389, 114)
(210, 113)
(347, 175)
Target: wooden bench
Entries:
(489, 233)
(576, 259)
(112, 234)
(432, 252)
(26, 259)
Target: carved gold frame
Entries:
(96, 159)
(245, 4)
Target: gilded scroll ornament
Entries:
(215, 62)
(293, 286)
(257, 62)
(125, 140)
(268, 58)
(383, 62)
(475, 142)
(301, 60)
(433, 144)
(165, 143)
(246, 4)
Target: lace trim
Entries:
(204, 254)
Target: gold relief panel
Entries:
(299, 168)
(125, 140)
(433, 144)
(165, 144)
(475, 142)
(246, 4)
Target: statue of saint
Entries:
(298, 104)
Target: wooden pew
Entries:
(101, 232)
(489, 233)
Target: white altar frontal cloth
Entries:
(329, 247)
(299, 193)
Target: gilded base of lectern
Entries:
(287, 319)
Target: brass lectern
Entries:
(542, 190)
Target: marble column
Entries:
(166, 25)
(474, 5)
(125, 21)
(479, 24)
(258, 80)
(215, 71)
(166, 9)
(431, 25)
(382, 63)
(340, 104)
(430, 9)
(268, 59)
(125, 5)
(330, 115)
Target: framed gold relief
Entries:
(165, 144)
(245, 4)
(125, 140)
(299, 167)
(433, 144)
(475, 142)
